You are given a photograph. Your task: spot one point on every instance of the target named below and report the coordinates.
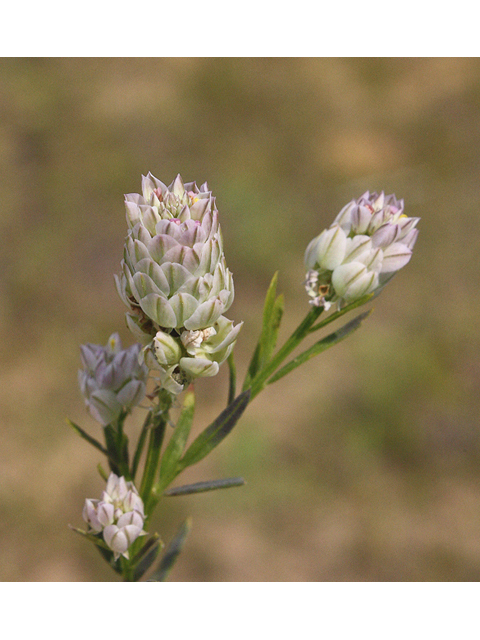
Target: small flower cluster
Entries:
(112, 379)
(175, 281)
(368, 242)
(119, 515)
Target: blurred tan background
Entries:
(363, 465)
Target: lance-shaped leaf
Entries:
(83, 434)
(178, 440)
(216, 432)
(275, 320)
(143, 560)
(272, 316)
(171, 553)
(321, 345)
(200, 487)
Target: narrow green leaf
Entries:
(107, 555)
(95, 538)
(150, 542)
(337, 314)
(200, 487)
(258, 383)
(275, 320)
(216, 432)
(258, 358)
(143, 560)
(157, 433)
(321, 345)
(171, 553)
(253, 368)
(87, 437)
(178, 440)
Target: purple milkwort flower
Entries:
(368, 242)
(112, 379)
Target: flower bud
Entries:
(353, 280)
(167, 350)
(90, 515)
(368, 242)
(328, 249)
(176, 361)
(119, 515)
(112, 379)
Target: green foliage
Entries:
(145, 558)
(216, 432)
(83, 434)
(272, 317)
(171, 553)
(320, 346)
(201, 487)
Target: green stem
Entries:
(259, 382)
(232, 387)
(157, 432)
(122, 447)
(110, 443)
(141, 443)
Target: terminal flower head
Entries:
(174, 273)
(175, 279)
(368, 242)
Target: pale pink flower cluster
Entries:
(118, 514)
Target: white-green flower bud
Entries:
(177, 360)
(353, 280)
(90, 515)
(167, 350)
(368, 242)
(327, 250)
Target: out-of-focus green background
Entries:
(362, 465)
